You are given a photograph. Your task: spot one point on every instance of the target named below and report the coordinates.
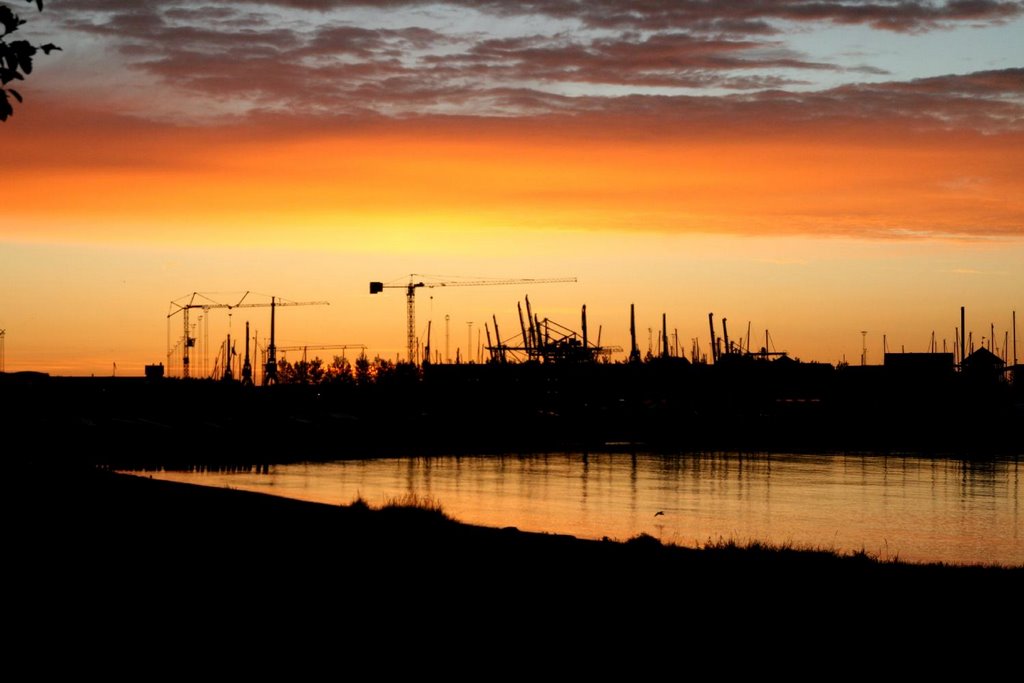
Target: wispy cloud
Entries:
(736, 16)
(489, 58)
(684, 116)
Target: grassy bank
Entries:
(92, 546)
(97, 511)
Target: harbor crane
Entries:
(415, 283)
(547, 341)
(205, 303)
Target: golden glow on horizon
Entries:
(97, 239)
(76, 309)
(813, 182)
(342, 191)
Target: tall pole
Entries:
(3, 334)
(246, 365)
(1015, 338)
(963, 336)
(534, 331)
(469, 343)
(270, 369)
(202, 347)
(584, 317)
(634, 352)
(447, 340)
(497, 339)
(711, 325)
(522, 327)
(664, 337)
(206, 345)
(227, 359)
(863, 347)
(426, 349)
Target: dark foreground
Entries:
(145, 552)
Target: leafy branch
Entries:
(15, 57)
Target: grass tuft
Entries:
(359, 503)
(415, 501)
(767, 547)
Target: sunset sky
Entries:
(816, 169)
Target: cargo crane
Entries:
(543, 340)
(203, 302)
(414, 284)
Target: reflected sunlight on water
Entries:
(910, 508)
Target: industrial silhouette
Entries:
(546, 386)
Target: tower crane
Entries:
(414, 284)
(322, 347)
(205, 303)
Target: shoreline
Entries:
(141, 548)
(97, 540)
(132, 502)
(307, 481)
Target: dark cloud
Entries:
(747, 16)
(369, 43)
(1007, 83)
(265, 56)
(984, 101)
(257, 56)
(661, 60)
(733, 16)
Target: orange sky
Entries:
(598, 175)
(880, 204)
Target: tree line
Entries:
(342, 372)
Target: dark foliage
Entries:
(15, 57)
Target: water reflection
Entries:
(915, 509)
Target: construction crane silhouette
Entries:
(322, 347)
(414, 284)
(196, 300)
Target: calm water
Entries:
(913, 509)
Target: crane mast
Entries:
(246, 366)
(201, 301)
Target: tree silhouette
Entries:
(15, 57)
